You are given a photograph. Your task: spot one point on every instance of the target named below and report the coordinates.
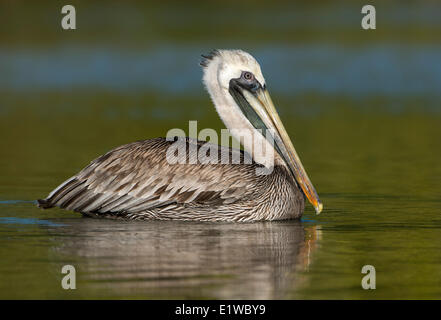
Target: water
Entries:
(364, 113)
(327, 69)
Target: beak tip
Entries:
(319, 208)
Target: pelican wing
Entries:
(137, 177)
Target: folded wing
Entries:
(137, 177)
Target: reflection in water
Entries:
(188, 260)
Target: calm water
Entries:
(363, 111)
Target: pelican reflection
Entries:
(163, 259)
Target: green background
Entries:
(362, 108)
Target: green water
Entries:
(368, 136)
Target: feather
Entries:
(136, 178)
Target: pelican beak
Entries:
(259, 109)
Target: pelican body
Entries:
(136, 180)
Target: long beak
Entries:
(262, 104)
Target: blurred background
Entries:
(363, 108)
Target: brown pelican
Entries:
(136, 181)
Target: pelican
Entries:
(136, 181)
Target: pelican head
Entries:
(237, 87)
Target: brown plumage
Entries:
(135, 181)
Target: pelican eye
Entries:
(248, 76)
